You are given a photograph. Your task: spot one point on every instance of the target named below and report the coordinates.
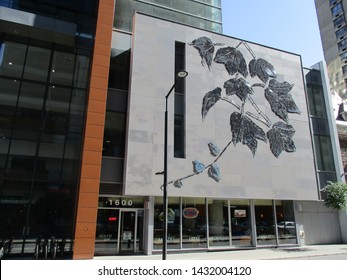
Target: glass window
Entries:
(342, 44)
(57, 200)
(71, 161)
(286, 226)
(37, 63)
(179, 137)
(218, 223)
(14, 206)
(332, 2)
(339, 21)
(77, 106)
(123, 15)
(114, 134)
(106, 239)
(9, 90)
(81, 71)
(316, 101)
(57, 109)
(12, 57)
(341, 32)
(5, 135)
(337, 9)
(30, 103)
(179, 121)
(49, 162)
(119, 70)
(194, 224)
(344, 69)
(62, 68)
(265, 222)
(343, 56)
(173, 223)
(324, 155)
(241, 228)
(20, 163)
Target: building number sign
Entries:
(120, 203)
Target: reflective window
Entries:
(62, 68)
(81, 71)
(179, 121)
(337, 9)
(114, 134)
(341, 32)
(218, 223)
(265, 222)
(12, 57)
(119, 61)
(339, 21)
(30, 104)
(342, 44)
(194, 223)
(173, 224)
(286, 226)
(193, 13)
(37, 69)
(106, 241)
(57, 109)
(9, 89)
(324, 154)
(241, 228)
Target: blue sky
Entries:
(289, 25)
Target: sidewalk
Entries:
(252, 254)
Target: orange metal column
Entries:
(94, 132)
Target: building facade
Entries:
(250, 140)
(333, 30)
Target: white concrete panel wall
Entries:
(319, 224)
(290, 176)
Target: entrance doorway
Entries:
(119, 231)
(127, 232)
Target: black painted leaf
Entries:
(244, 130)
(214, 172)
(280, 138)
(239, 86)
(214, 150)
(233, 60)
(206, 49)
(209, 100)
(261, 68)
(198, 167)
(178, 184)
(280, 100)
(280, 88)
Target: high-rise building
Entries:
(332, 25)
(82, 96)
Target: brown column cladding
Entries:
(87, 206)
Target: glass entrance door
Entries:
(127, 232)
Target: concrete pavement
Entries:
(249, 254)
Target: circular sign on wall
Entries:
(190, 213)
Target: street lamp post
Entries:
(180, 75)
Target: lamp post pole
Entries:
(180, 75)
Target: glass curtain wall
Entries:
(322, 138)
(43, 89)
(115, 120)
(206, 15)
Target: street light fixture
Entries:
(180, 75)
